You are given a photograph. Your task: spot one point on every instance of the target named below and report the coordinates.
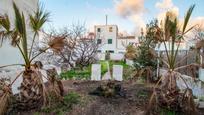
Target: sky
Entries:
(129, 15)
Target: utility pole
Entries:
(106, 19)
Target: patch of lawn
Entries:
(61, 107)
(104, 67)
(127, 70)
(77, 73)
(83, 74)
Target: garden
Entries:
(151, 85)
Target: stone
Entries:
(96, 72)
(118, 72)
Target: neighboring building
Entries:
(110, 41)
(9, 54)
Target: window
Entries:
(99, 51)
(99, 41)
(110, 51)
(98, 29)
(131, 43)
(109, 41)
(110, 29)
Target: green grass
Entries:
(127, 70)
(168, 112)
(83, 74)
(104, 67)
(111, 63)
(60, 108)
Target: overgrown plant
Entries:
(167, 95)
(32, 89)
(145, 60)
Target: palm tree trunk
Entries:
(31, 90)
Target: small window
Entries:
(99, 51)
(98, 29)
(110, 51)
(109, 41)
(99, 41)
(110, 29)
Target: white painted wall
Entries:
(123, 43)
(9, 54)
(105, 35)
(116, 56)
(101, 56)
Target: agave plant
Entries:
(32, 88)
(167, 93)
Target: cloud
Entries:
(164, 6)
(131, 9)
(198, 21)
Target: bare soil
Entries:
(135, 102)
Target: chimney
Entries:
(106, 20)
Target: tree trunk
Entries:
(31, 90)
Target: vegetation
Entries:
(61, 107)
(130, 52)
(104, 67)
(32, 93)
(171, 32)
(127, 70)
(145, 61)
(77, 73)
(83, 74)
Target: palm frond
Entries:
(39, 18)
(21, 29)
(37, 21)
(5, 27)
(57, 44)
(187, 17)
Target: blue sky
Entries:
(92, 12)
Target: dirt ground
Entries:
(135, 102)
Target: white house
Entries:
(9, 54)
(110, 41)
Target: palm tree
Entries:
(32, 88)
(168, 93)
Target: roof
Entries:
(105, 25)
(126, 37)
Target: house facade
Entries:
(109, 40)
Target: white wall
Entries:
(183, 46)
(116, 56)
(105, 35)
(101, 56)
(8, 54)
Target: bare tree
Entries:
(79, 48)
(86, 51)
